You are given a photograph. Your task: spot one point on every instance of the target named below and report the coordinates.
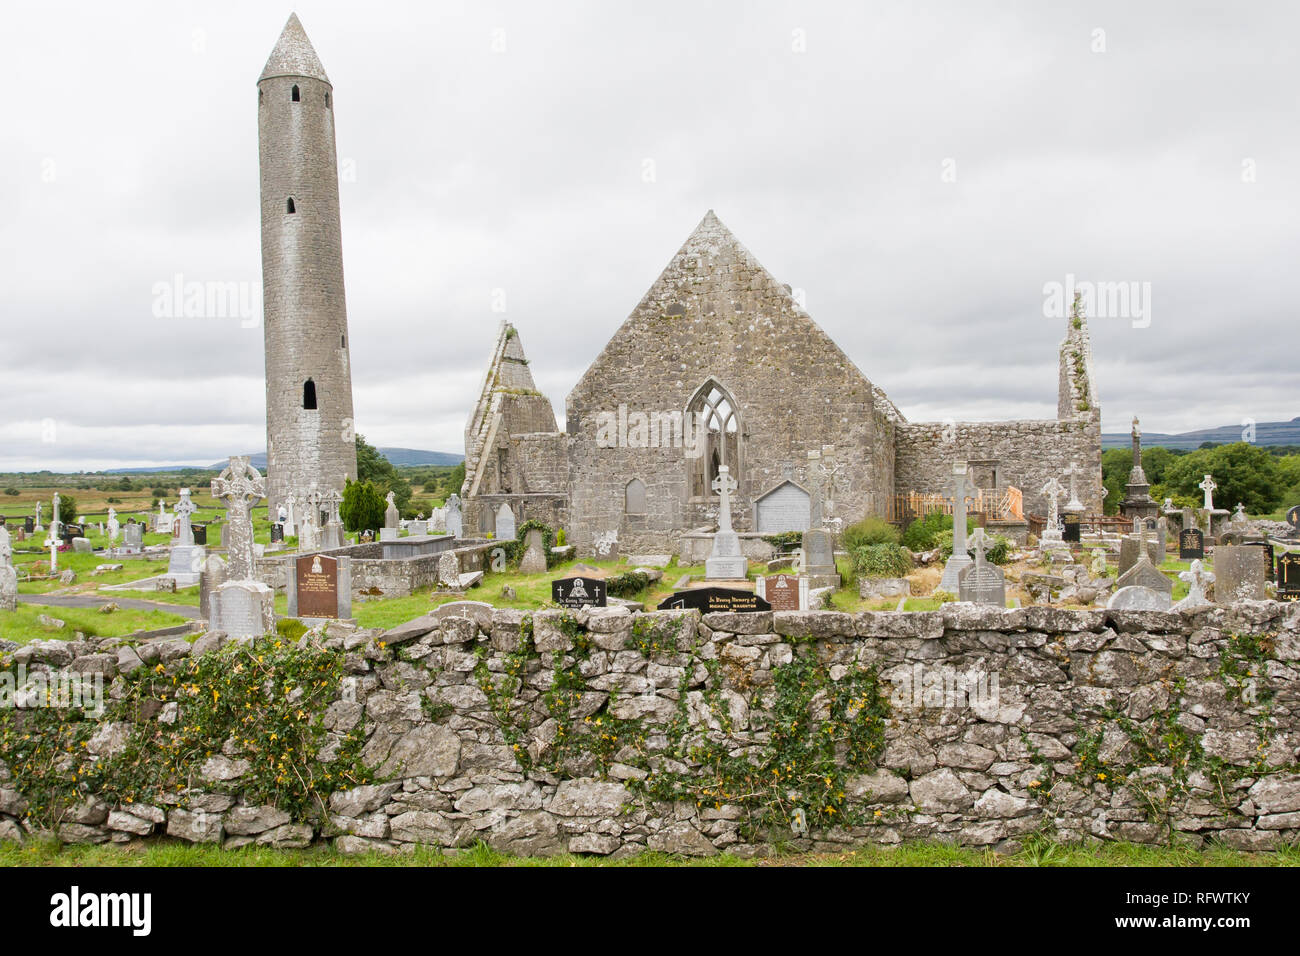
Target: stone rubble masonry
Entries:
(304, 304)
(716, 314)
(970, 775)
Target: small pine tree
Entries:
(362, 507)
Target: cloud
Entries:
(473, 172)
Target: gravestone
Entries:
(438, 520)
(308, 536)
(951, 579)
(1267, 548)
(634, 497)
(392, 517)
(418, 528)
(212, 577)
(82, 546)
(449, 569)
(1288, 576)
(277, 533)
(505, 523)
(114, 527)
(982, 583)
(784, 592)
(1197, 578)
(133, 537)
(28, 525)
(787, 507)
(1144, 573)
(577, 592)
(319, 586)
(1292, 518)
(534, 559)
(1130, 547)
(200, 532)
(1191, 544)
(1137, 598)
(725, 561)
(238, 486)
(1072, 527)
(1160, 533)
(8, 576)
(709, 600)
(1052, 490)
(452, 516)
(1238, 574)
(290, 522)
(242, 609)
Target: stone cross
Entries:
(239, 486)
(291, 519)
(185, 508)
(959, 510)
(724, 485)
(332, 499)
(1240, 516)
(114, 527)
(1136, 435)
(830, 469)
(816, 515)
(55, 526)
(37, 526)
(979, 543)
(1074, 503)
(1208, 486)
(391, 514)
(6, 549)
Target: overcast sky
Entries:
(920, 171)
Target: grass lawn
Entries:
(166, 852)
(21, 625)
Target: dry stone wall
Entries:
(611, 733)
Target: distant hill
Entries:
(1266, 433)
(398, 456)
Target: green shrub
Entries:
(881, 561)
(559, 538)
(362, 507)
(997, 551)
(67, 509)
(785, 541)
(12, 492)
(869, 531)
(627, 584)
(923, 533)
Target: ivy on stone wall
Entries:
(247, 718)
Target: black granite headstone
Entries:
(29, 524)
(200, 533)
(1072, 526)
(1191, 544)
(578, 592)
(708, 600)
(277, 533)
(1288, 576)
(1293, 519)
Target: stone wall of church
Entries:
(1027, 454)
(716, 315)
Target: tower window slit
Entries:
(289, 206)
(309, 394)
(296, 97)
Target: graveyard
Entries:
(731, 605)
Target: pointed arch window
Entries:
(296, 96)
(309, 394)
(289, 207)
(713, 410)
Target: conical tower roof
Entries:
(294, 55)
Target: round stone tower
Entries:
(310, 436)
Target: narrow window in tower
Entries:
(296, 97)
(261, 95)
(327, 99)
(343, 341)
(309, 394)
(289, 207)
